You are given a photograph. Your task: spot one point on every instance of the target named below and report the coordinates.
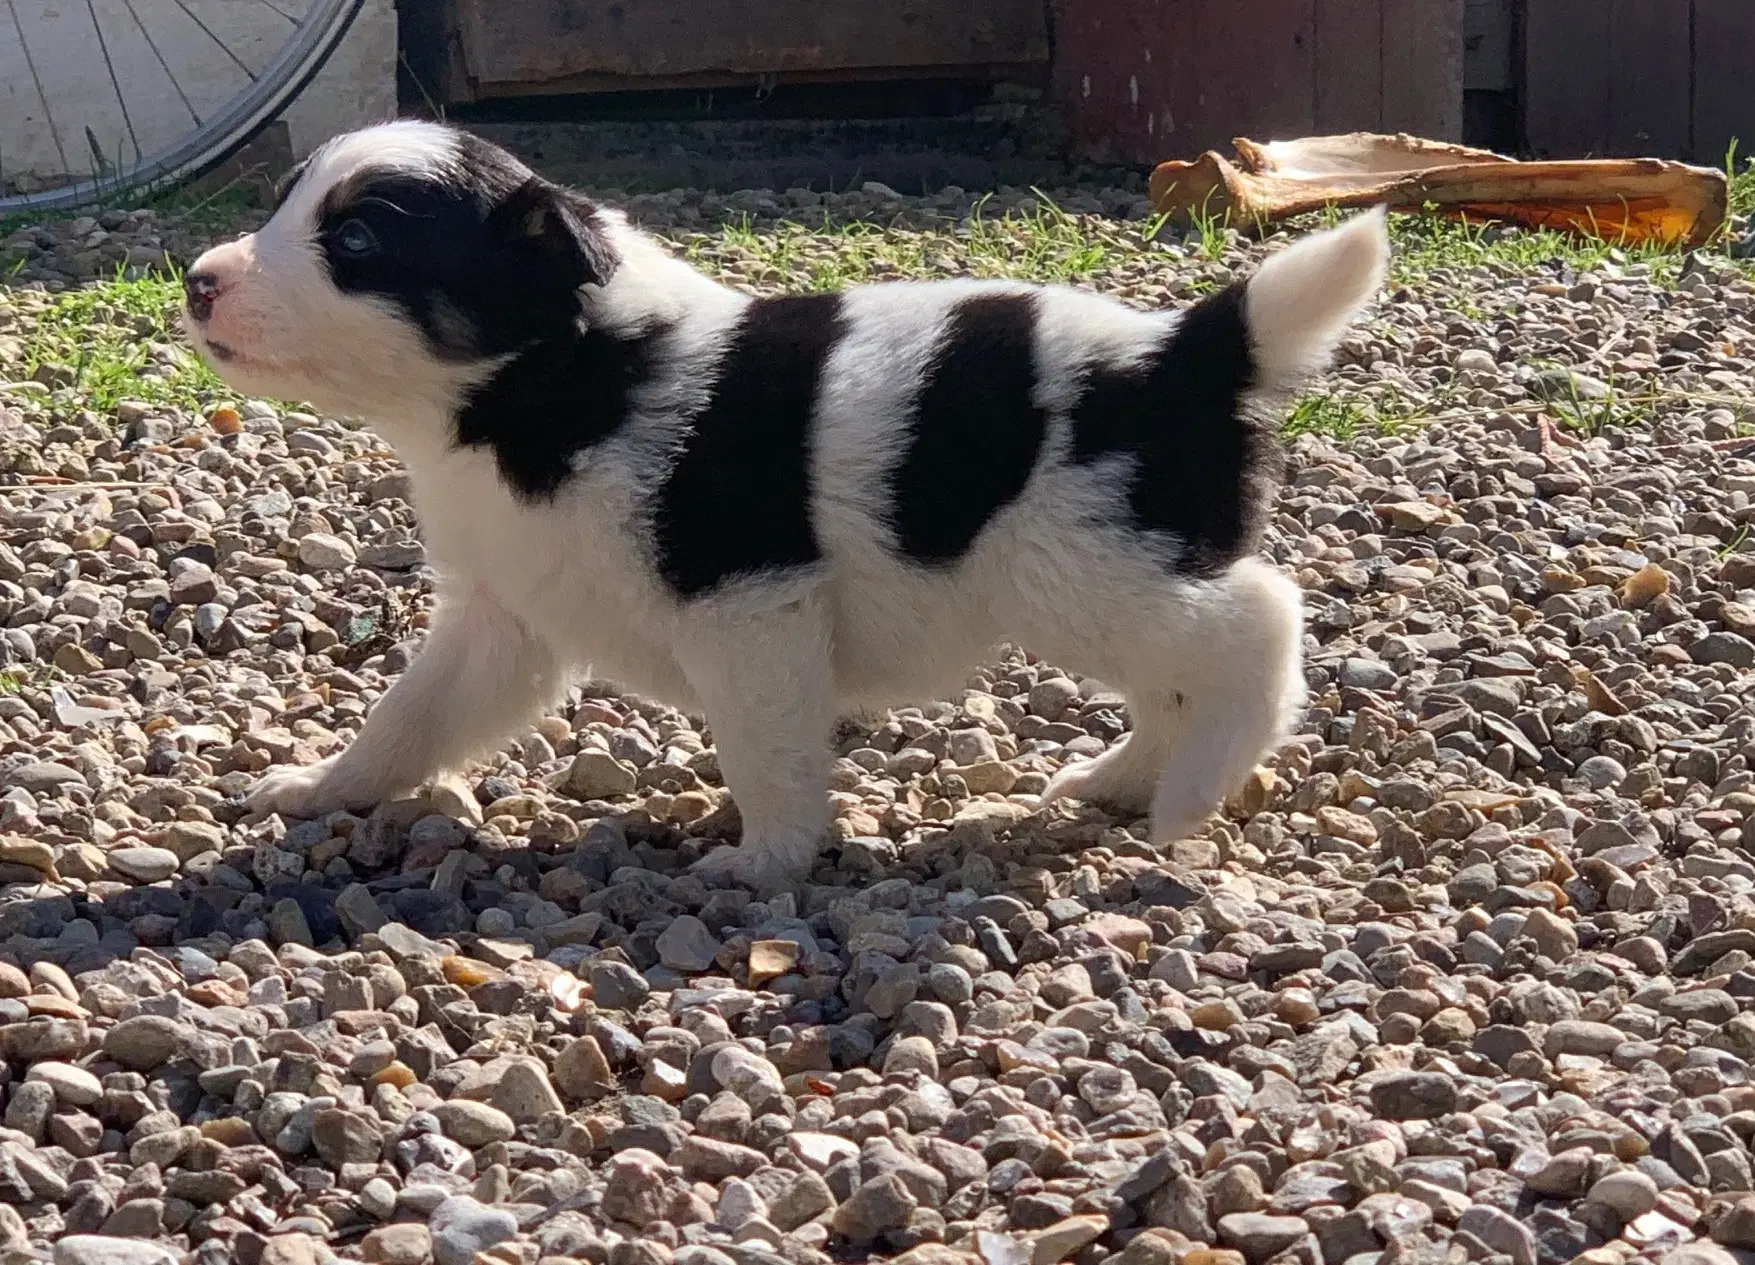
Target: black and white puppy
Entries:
(774, 511)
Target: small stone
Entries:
(403, 1244)
(687, 945)
(144, 865)
(1064, 1238)
(599, 775)
(1628, 1193)
(770, 959)
(1260, 1235)
(72, 1085)
(98, 1249)
(1414, 1096)
(461, 1227)
(581, 1070)
(1735, 1226)
(474, 1124)
(346, 1137)
(1724, 647)
(146, 1042)
(881, 1204)
(320, 551)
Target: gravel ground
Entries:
(1467, 973)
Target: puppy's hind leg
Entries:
(1242, 684)
(1213, 676)
(760, 663)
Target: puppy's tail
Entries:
(1301, 301)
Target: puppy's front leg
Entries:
(761, 665)
(479, 674)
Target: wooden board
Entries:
(550, 40)
(1423, 68)
(1609, 79)
(1349, 65)
(1566, 79)
(1649, 72)
(1724, 78)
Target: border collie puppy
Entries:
(775, 511)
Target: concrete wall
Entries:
(168, 73)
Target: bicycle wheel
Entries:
(158, 92)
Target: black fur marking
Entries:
(1204, 468)
(288, 183)
(553, 401)
(738, 500)
(977, 430)
(485, 258)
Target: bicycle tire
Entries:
(294, 66)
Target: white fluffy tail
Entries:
(1299, 303)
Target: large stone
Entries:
(1260, 1235)
(147, 1041)
(98, 1249)
(686, 944)
(474, 1124)
(1064, 1238)
(881, 1204)
(581, 1071)
(461, 1227)
(1414, 1096)
(345, 1137)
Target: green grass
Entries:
(103, 335)
(100, 335)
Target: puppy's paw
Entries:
(1108, 782)
(764, 870)
(303, 792)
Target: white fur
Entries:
(532, 594)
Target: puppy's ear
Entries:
(557, 231)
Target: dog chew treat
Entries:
(1628, 200)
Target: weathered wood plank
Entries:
(1258, 72)
(1423, 68)
(556, 39)
(1648, 78)
(1349, 65)
(1566, 77)
(1724, 78)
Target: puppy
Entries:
(774, 511)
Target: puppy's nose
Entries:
(200, 289)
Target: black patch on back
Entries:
(738, 499)
(553, 401)
(1205, 469)
(977, 432)
(484, 257)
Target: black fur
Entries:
(738, 499)
(1204, 468)
(977, 430)
(553, 401)
(485, 259)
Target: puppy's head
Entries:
(400, 263)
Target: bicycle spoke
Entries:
(169, 73)
(223, 46)
(110, 66)
(37, 81)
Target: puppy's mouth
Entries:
(222, 352)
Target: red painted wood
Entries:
(1145, 80)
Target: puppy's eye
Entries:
(356, 239)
